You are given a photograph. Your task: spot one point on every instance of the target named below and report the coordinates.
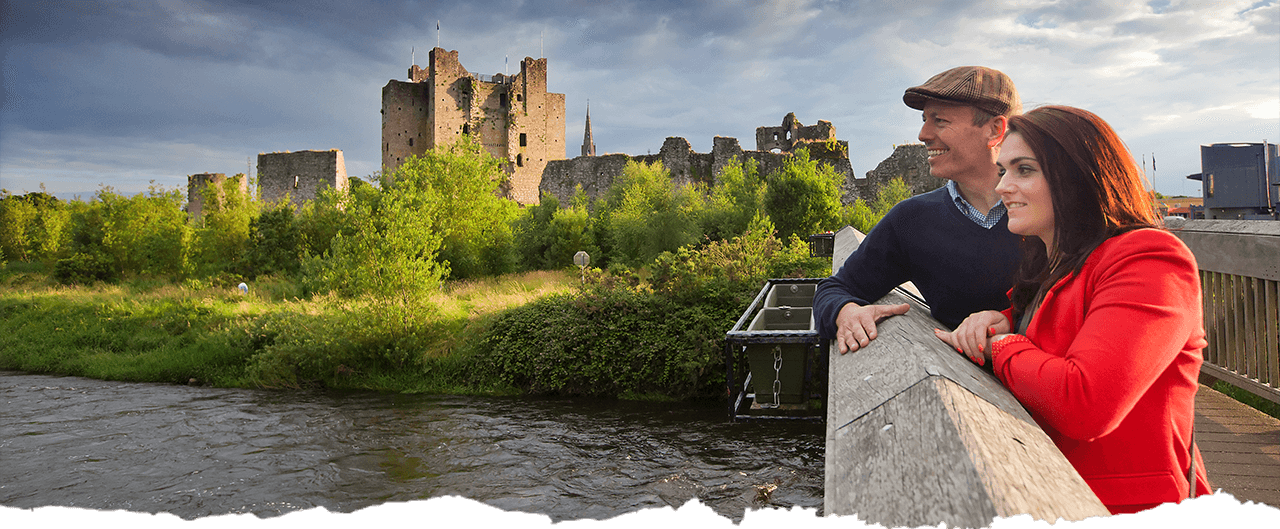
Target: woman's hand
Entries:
(973, 336)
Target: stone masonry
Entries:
(196, 183)
(596, 173)
(513, 117)
(300, 175)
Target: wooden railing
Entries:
(1239, 264)
(917, 435)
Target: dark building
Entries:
(1239, 181)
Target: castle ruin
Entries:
(513, 117)
(773, 145)
(300, 175)
(197, 183)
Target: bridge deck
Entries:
(1241, 447)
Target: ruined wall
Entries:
(300, 175)
(514, 118)
(196, 184)
(596, 173)
(793, 134)
(909, 162)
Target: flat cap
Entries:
(989, 90)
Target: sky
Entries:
(129, 94)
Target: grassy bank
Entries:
(154, 331)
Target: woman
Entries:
(1102, 342)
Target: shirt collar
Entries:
(987, 220)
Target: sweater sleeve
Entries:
(869, 273)
(1135, 323)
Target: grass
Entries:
(1263, 405)
(156, 331)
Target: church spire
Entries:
(588, 146)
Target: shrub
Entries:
(85, 268)
(803, 197)
(645, 214)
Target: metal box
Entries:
(785, 375)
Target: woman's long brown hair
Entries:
(1096, 188)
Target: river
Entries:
(198, 451)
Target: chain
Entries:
(777, 377)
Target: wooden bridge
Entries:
(918, 435)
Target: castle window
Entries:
(466, 128)
(519, 160)
(502, 100)
(519, 97)
(411, 142)
(523, 140)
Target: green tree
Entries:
(736, 199)
(146, 233)
(275, 243)
(647, 214)
(803, 197)
(220, 237)
(548, 236)
(32, 226)
(473, 222)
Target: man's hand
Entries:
(856, 324)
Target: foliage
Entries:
(32, 226)
(735, 201)
(864, 217)
(548, 236)
(472, 221)
(274, 242)
(85, 268)
(803, 197)
(645, 214)
(220, 236)
(609, 342)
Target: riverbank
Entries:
(270, 337)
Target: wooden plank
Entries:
(1248, 248)
(1273, 334)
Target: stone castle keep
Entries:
(300, 175)
(518, 122)
(513, 117)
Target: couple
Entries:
(1045, 255)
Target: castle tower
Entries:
(588, 146)
(513, 117)
(196, 184)
(300, 175)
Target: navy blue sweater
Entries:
(958, 266)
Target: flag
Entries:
(1153, 161)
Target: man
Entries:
(953, 242)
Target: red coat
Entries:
(1109, 368)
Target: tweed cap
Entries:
(987, 89)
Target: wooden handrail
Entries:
(917, 435)
(1239, 264)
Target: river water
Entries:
(196, 451)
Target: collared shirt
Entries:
(986, 221)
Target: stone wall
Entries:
(909, 162)
(196, 183)
(300, 175)
(513, 117)
(596, 173)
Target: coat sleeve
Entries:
(1136, 321)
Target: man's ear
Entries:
(996, 129)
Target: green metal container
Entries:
(779, 367)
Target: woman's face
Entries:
(1024, 190)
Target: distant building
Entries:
(588, 144)
(1240, 181)
(196, 184)
(300, 175)
(513, 117)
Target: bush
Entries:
(32, 226)
(803, 197)
(645, 214)
(220, 237)
(84, 269)
(274, 243)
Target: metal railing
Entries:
(1240, 281)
